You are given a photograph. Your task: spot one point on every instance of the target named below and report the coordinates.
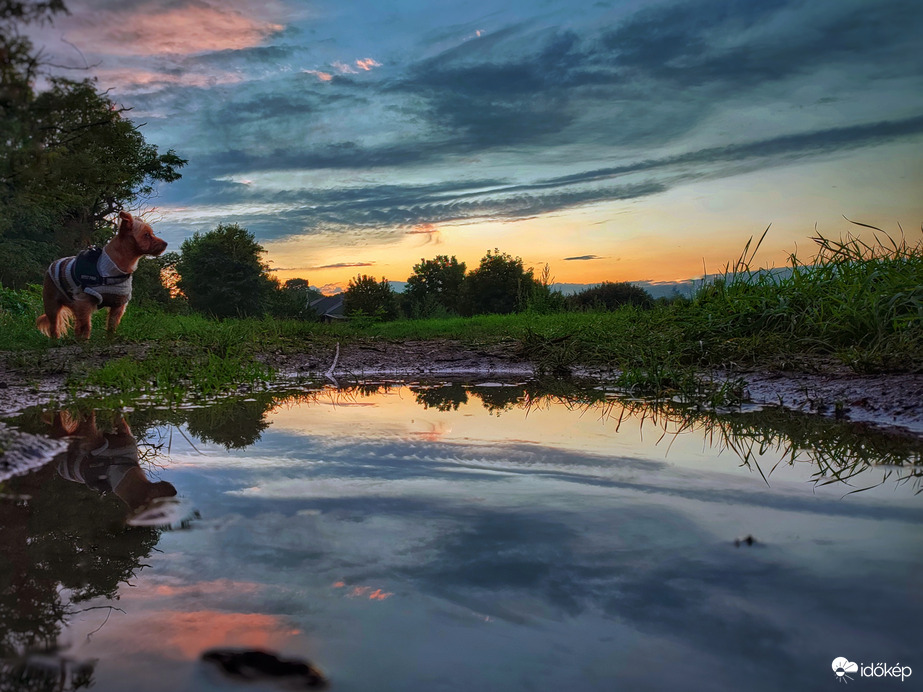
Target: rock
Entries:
(254, 665)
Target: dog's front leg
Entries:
(115, 316)
(83, 312)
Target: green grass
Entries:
(856, 301)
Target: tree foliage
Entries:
(222, 273)
(367, 297)
(499, 285)
(291, 300)
(69, 157)
(147, 281)
(610, 296)
(435, 287)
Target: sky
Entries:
(620, 140)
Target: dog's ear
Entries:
(127, 222)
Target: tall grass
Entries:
(861, 301)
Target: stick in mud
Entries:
(329, 373)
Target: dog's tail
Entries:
(63, 323)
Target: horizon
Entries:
(629, 141)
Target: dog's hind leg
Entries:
(54, 322)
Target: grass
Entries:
(855, 300)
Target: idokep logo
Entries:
(843, 666)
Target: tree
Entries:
(435, 286)
(499, 285)
(222, 273)
(366, 296)
(69, 157)
(610, 296)
(291, 299)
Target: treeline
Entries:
(221, 273)
(500, 284)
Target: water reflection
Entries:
(838, 451)
(105, 460)
(438, 534)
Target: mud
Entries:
(891, 401)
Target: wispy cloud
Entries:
(343, 265)
(583, 257)
(322, 76)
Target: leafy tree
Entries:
(222, 273)
(435, 286)
(291, 299)
(499, 285)
(153, 279)
(541, 298)
(68, 156)
(366, 296)
(610, 296)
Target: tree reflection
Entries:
(65, 540)
(443, 397)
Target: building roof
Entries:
(329, 306)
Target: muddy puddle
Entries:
(458, 536)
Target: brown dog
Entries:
(108, 461)
(95, 279)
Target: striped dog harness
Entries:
(92, 272)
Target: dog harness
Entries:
(101, 469)
(92, 272)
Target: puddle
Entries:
(444, 536)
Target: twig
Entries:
(329, 373)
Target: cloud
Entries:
(390, 208)
(322, 76)
(155, 28)
(583, 257)
(343, 265)
(432, 233)
(563, 113)
(131, 80)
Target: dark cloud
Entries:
(522, 90)
(772, 151)
(741, 43)
(582, 257)
(343, 265)
(390, 207)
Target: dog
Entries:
(107, 462)
(96, 278)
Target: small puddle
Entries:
(449, 535)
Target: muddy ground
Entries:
(829, 389)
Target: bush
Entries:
(610, 296)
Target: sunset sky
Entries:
(624, 140)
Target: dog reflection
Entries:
(105, 461)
